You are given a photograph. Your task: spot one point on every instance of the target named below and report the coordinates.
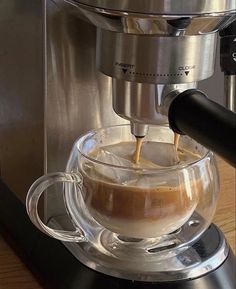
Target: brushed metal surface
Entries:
(165, 6)
(143, 103)
(125, 21)
(156, 59)
(21, 94)
(230, 92)
(78, 96)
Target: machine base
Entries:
(132, 259)
(55, 267)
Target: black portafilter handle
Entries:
(204, 120)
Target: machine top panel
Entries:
(166, 7)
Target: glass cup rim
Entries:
(177, 167)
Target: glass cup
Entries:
(114, 203)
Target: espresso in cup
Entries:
(139, 203)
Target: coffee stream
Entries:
(139, 142)
(176, 140)
(137, 152)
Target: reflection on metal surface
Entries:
(164, 6)
(145, 103)
(78, 96)
(230, 92)
(162, 23)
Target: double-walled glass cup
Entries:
(115, 208)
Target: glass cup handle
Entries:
(32, 199)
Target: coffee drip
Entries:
(176, 140)
(137, 152)
(139, 143)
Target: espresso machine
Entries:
(156, 53)
(145, 60)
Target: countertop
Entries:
(14, 274)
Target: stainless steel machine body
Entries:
(78, 96)
(50, 90)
